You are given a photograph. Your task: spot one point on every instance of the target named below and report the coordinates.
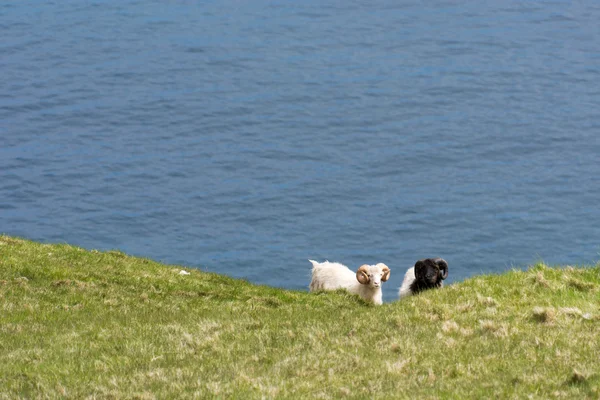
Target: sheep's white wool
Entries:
(409, 278)
(331, 276)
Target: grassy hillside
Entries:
(85, 324)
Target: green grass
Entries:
(85, 324)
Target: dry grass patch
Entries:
(580, 285)
(545, 315)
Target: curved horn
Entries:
(362, 275)
(420, 269)
(443, 265)
(386, 271)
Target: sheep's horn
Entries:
(386, 271)
(443, 265)
(420, 268)
(362, 275)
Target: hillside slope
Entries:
(77, 323)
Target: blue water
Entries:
(245, 137)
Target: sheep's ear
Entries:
(386, 272)
(443, 265)
(362, 275)
(420, 270)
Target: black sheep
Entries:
(426, 274)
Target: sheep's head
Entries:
(373, 275)
(432, 271)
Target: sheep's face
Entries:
(373, 275)
(431, 271)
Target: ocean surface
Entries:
(245, 137)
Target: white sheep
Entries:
(365, 282)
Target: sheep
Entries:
(426, 274)
(366, 281)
